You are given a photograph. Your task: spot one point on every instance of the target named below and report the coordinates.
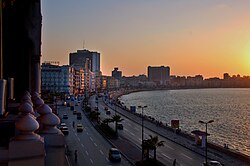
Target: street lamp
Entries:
(211, 121)
(142, 126)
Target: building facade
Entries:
(116, 73)
(57, 78)
(159, 75)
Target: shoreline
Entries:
(230, 152)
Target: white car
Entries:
(114, 155)
(213, 163)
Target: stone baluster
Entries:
(53, 137)
(27, 147)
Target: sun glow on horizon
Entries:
(206, 37)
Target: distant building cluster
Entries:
(83, 74)
(235, 81)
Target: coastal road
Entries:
(91, 146)
(132, 132)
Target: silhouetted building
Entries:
(80, 57)
(160, 75)
(116, 73)
(226, 76)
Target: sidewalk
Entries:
(181, 139)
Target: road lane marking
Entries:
(82, 145)
(78, 139)
(75, 134)
(91, 161)
(140, 139)
(166, 156)
(91, 138)
(169, 147)
(95, 144)
(101, 152)
(132, 133)
(125, 129)
(87, 133)
(107, 159)
(86, 152)
(186, 156)
(137, 129)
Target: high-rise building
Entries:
(81, 57)
(116, 73)
(159, 75)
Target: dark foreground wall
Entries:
(21, 42)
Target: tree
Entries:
(116, 119)
(154, 143)
(94, 115)
(145, 148)
(107, 121)
(87, 108)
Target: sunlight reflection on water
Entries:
(229, 108)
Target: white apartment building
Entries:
(57, 78)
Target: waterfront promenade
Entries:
(215, 152)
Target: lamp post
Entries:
(211, 121)
(142, 127)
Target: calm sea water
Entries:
(229, 108)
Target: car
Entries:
(108, 112)
(119, 126)
(114, 154)
(79, 116)
(76, 104)
(106, 108)
(62, 125)
(72, 108)
(96, 108)
(65, 130)
(79, 127)
(214, 163)
(74, 112)
(65, 116)
(68, 104)
(64, 103)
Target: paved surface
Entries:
(91, 146)
(177, 147)
(132, 133)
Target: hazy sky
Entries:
(207, 37)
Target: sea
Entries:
(228, 107)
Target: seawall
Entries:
(229, 152)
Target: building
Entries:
(159, 75)
(111, 83)
(57, 78)
(81, 57)
(116, 73)
(89, 61)
(140, 81)
(226, 76)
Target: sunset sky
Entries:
(207, 37)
